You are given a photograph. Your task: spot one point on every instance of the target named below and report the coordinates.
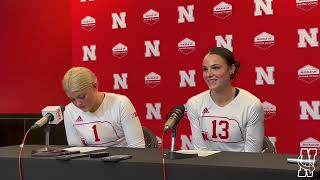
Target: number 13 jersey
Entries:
(237, 126)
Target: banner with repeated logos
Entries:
(152, 52)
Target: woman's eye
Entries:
(215, 67)
(82, 96)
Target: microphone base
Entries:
(47, 152)
(175, 155)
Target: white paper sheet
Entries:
(84, 149)
(199, 152)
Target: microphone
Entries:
(173, 117)
(51, 115)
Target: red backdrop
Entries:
(34, 52)
(158, 61)
(274, 40)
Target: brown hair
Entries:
(228, 56)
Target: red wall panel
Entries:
(284, 57)
(34, 52)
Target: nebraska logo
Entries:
(88, 23)
(151, 17)
(152, 79)
(306, 162)
(222, 10)
(186, 46)
(269, 109)
(119, 51)
(306, 5)
(264, 41)
(308, 74)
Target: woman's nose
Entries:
(78, 102)
(209, 73)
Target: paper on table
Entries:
(199, 152)
(84, 149)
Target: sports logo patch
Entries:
(120, 50)
(151, 17)
(264, 41)
(152, 79)
(222, 10)
(88, 23)
(186, 46)
(308, 74)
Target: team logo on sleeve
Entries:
(152, 79)
(120, 50)
(151, 17)
(308, 74)
(264, 41)
(88, 23)
(186, 46)
(269, 109)
(306, 5)
(222, 10)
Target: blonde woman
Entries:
(95, 118)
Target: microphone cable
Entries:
(163, 158)
(20, 154)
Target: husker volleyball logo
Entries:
(186, 46)
(152, 79)
(306, 5)
(308, 74)
(151, 17)
(222, 10)
(88, 23)
(264, 41)
(120, 50)
(269, 109)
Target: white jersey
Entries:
(115, 123)
(238, 126)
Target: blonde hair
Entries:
(78, 78)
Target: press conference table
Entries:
(147, 164)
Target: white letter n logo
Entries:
(306, 162)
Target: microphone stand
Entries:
(46, 151)
(175, 155)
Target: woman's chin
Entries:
(212, 87)
(84, 109)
